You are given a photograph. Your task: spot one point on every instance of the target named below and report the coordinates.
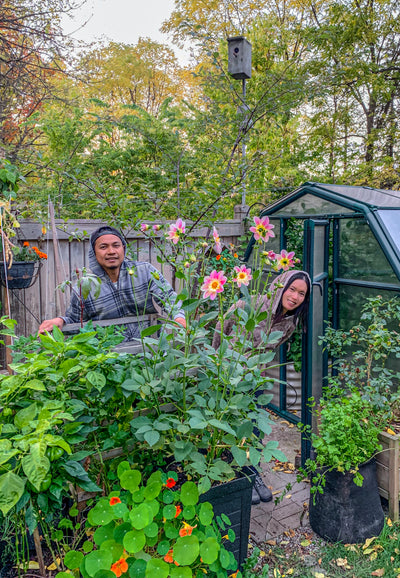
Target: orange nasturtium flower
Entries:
(168, 556)
(170, 483)
(114, 500)
(178, 510)
(119, 567)
(186, 530)
(26, 243)
(218, 257)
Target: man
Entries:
(127, 288)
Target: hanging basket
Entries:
(21, 275)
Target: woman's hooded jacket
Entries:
(268, 302)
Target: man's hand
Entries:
(181, 321)
(48, 324)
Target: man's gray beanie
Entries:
(106, 230)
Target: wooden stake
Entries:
(7, 338)
(39, 551)
(59, 274)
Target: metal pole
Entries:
(244, 144)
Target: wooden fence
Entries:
(29, 307)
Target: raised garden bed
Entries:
(388, 472)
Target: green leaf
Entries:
(189, 494)
(73, 559)
(36, 465)
(239, 455)
(114, 548)
(206, 513)
(138, 569)
(25, 416)
(152, 437)
(209, 550)
(186, 550)
(96, 378)
(97, 560)
(181, 572)
(134, 541)
(104, 533)
(150, 330)
(141, 516)
(225, 559)
(130, 480)
(11, 489)
(157, 568)
(34, 384)
(101, 515)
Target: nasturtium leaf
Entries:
(101, 514)
(168, 497)
(189, 494)
(231, 535)
(121, 530)
(169, 512)
(152, 490)
(157, 568)
(186, 550)
(134, 541)
(87, 546)
(130, 480)
(104, 533)
(119, 510)
(104, 574)
(141, 516)
(224, 558)
(151, 530)
(206, 513)
(138, 569)
(171, 532)
(155, 507)
(73, 559)
(163, 547)
(225, 519)
(116, 549)
(189, 512)
(97, 560)
(209, 550)
(123, 467)
(180, 572)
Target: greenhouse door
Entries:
(315, 362)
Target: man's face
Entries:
(109, 252)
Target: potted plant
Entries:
(366, 357)
(154, 529)
(345, 504)
(23, 269)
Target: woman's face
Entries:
(294, 295)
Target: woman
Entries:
(286, 304)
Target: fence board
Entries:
(31, 306)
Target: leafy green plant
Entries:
(152, 529)
(362, 354)
(347, 436)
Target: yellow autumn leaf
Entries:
(389, 522)
(290, 571)
(262, 553)
(373, 556)
(288, 496)
(390, 431)
(319, 575)
(368, 551)
(305, 543)
(33, 565)
(368, 541)
(341, 562)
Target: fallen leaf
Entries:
(53, 566)
(271, 542)
(341, 562)
(379, 572)
(389, 522)
(262, 553)
(288, 496)
(319, 575)
(33, 565)
(276, 492)
(368, 541)
(305, 543)
(373, 556)
(284, 542)
(390, 431)
(290, 571)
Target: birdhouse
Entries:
(239, 57)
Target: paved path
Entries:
(269, 520)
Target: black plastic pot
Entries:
(20, 275)
(346, 512)
(234, 499)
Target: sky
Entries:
(122, 21)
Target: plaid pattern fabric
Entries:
(132, 295)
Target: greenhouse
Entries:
(350, 240)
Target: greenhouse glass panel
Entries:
(372, 197)
(360, 255)
(312, 205)
(352, 299)
(391, 220)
